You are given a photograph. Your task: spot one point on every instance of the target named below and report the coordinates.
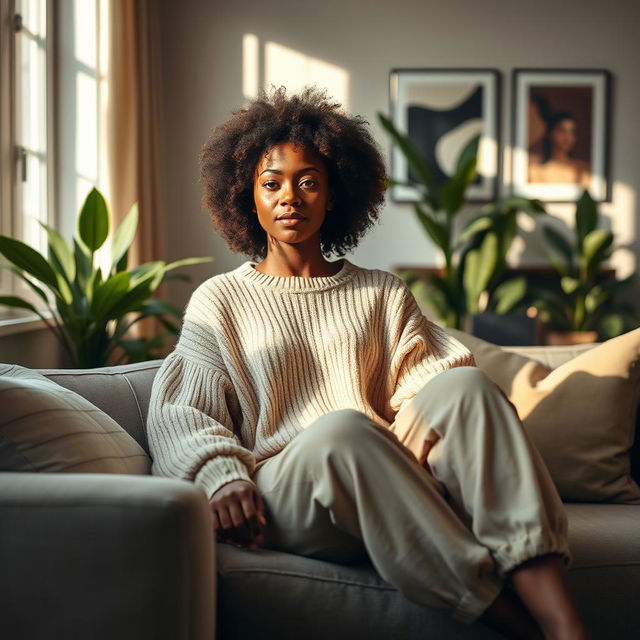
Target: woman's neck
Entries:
(301, 266)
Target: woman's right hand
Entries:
(238, 514)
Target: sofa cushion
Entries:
(316, 599)
(121, 391)
(48, 428)
(581, 415)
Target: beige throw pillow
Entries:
(581, 415)
(45, 427)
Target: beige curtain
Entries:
(134, 117)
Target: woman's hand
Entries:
(238, 514)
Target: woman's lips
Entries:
(289, 222)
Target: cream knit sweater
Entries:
(260, 357)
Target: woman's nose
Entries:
(289, 196)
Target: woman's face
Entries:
(563, 135)
(291, 193)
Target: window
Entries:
(53, 101)
(26, 129)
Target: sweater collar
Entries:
(247, 272)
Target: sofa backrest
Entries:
(122, 392)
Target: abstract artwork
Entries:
(441, 111)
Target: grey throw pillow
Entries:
(45, 427)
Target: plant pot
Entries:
(559, 338)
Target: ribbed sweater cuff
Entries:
(219, 471)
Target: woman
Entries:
(324, 415)
(557, 164)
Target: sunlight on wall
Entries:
(294, 70)
(285, 66)
(621, 214)
(250, 66)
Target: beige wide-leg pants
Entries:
(347, 486)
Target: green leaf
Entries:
(475, 226)
(612, 325)
(480, 264)
(108, 294)
(586, 216)
(614, 286)
(84, 268)
(123, 236)
(434, 229)
(14, 301)
(31, 284)
(62, 252)
(132, 300)
(453, 190)
(29, 260)
(595, 299)
(156, 307)
(415, 161)
(188, 261)
(93, 223)
(569, 285)
(559, 251)
(508, 294)
(468, 156)
(594, 251)
(514, 204)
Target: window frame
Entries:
(11, 224)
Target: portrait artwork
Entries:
(441, 111)
(560, 134)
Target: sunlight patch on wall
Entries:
(621, 214)
(294, 70)
(250, 66)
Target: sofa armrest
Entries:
(105, 556)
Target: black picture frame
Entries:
(441, 109)
(561, 132)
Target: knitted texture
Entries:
(261, 357)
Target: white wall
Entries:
(202, 45)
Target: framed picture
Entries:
(441, 111)
(561, 134)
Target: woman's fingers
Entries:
(238, 514)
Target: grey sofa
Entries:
(118, 557)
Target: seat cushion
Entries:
(270, 594)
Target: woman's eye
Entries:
(270, 184)
(309, 183)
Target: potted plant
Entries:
(471, 280)
(585, 308)
(93, 310)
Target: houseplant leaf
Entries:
(586, 217)
(415, 161)
(558, 250)
(480, 264)
(29, 260)
(509, 293)
(59, 249)
(14, 301)
(434, 229)
(93, 223)
(594, 250)
(123, 236)
(108, 294)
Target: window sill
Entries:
(14, 323)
